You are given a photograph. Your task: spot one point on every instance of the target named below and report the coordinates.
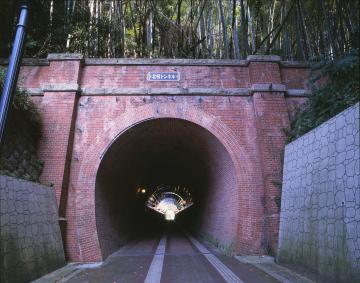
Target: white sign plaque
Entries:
(163, 76)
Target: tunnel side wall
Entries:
(82, 101)
(112, 233)
(221, 209)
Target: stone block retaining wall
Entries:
(30, 239)
(320, 213)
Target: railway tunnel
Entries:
(164, 152)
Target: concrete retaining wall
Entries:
(30, 238)
(320, 213)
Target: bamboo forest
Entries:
(220, 29)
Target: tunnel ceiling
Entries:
(162, 151)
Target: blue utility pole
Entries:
(13, 69)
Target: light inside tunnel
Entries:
(169, 201)
(168, 151)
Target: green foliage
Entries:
(23, 130)
(226, 249)
(23, 109)
(300, 30)
(335, 87)
(278, 185)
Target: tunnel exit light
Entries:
(170, 215)
(169, 201)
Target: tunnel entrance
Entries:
(170, 152)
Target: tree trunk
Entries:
(271, 23)
(299, 46)
(243, 29)
(225, 35)
(203, 34)
(279, 28)
(286, 41)
(328, 32)
(178, 22)
(235, 33)
(70, 11)
(210, 31)
(252, 30)
(149, 23)
(304, 28)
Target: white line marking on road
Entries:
(224, 271)
(155, 270)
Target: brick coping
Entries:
(181, 91)
(158, 62)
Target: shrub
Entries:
(335, 87)
(18, 153)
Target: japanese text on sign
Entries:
(163, 76)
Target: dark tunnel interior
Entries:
(171, 152)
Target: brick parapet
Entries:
(200, 77)
(117, 79)
(65, 57)
(157, 62)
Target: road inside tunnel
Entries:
(170, 255)
(170, 153)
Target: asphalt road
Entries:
(172, 257)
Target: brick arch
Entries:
(84, 218)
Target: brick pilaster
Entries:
(272, 118)
(58, 109)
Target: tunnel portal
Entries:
(107, 131)
(169, 151)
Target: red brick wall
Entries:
(294, 77)
(77, 133)
(264, 72)
(191, 76)
(57, 113)
(271, 120)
